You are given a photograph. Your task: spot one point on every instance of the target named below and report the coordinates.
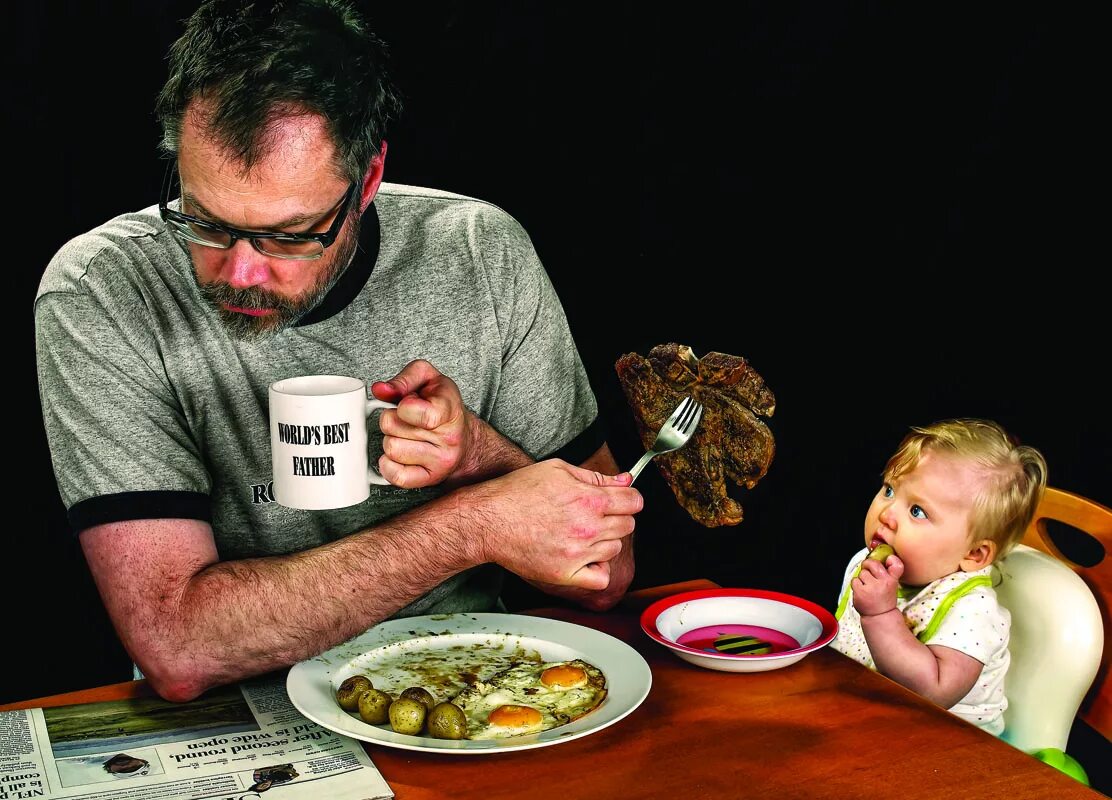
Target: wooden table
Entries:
(825, 727)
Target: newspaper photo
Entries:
(237, 742)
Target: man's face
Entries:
(294, 189)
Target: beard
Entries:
(286, 310)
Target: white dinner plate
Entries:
(485, 640)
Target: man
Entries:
(159, 332)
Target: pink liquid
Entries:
(703, 638)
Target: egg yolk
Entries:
(563, 677)
(515, 717)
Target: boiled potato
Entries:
(408, 715)
(446, 721)
(374, 706)
(421, 695)
(348, 693)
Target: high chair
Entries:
(1060, 621)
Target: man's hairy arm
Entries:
(191, 621)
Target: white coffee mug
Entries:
(318, 441)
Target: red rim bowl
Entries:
(740, 609)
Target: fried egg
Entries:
(530, 698)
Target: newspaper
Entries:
(238, 742)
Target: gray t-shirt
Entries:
(152, 409)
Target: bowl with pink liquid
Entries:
(739, 630)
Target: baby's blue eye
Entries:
(918, 512)
(887, 490)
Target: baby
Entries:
(957, 495)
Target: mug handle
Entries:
(374, 404)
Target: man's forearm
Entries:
(196, 622)
(281, 610)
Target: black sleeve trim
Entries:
(139, 505)
(584, 445)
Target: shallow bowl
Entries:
(688, 623)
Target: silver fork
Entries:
(673, 434)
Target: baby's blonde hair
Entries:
(1004, 504)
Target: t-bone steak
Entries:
(731, 442)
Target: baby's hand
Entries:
(874, 588)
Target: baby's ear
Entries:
(980, 556)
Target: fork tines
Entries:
(690, 416)
(680, 410)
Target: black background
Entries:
(886, 210)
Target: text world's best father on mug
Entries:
(318, 441)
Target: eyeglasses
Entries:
(294, 246)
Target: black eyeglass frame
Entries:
(325, 239)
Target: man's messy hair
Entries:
(254, 64)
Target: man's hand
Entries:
(620, 569)
(555, 523)
(432, 438)
(430, 432)
(874, 588)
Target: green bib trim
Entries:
(948, 601)
(842, 603)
